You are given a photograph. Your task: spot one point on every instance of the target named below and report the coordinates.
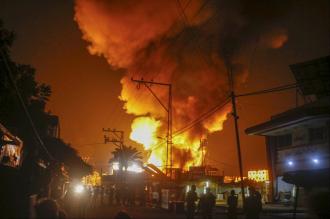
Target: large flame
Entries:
(186, 148)
(144, 131)
(189, 44)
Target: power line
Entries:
(185, 22)
(202, 117)
(270, 90)
(222, 163)
(168, 109)
(89, 144)
(197, 120)
(27, 114)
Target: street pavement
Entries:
(156, 213)
(77, 208)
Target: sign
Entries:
(258, 175)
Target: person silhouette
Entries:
(232, 205)
(191, 198)
(207, 203)
(47, 208)
(253, 205)
(122, 215)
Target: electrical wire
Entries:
(220, 106)
(27, 114)
(202, 117)
(196, 121)
(271, 90)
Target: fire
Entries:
(186, 147)
(156, 158)
(144, 131)
(187, 151)
(215, 123)
(188, 44)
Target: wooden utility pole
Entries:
(168, 109)
(116, 137)
(238, 143)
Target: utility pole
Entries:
(116, 137)
(168, 109)
(238, 144)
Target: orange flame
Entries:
(157, 40)
(186, 147)
(144, 131)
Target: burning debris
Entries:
(189, 44)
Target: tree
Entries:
(67, 155)
(125, 155)
(35, 96)
(17, 185)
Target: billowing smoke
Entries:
(189, 43)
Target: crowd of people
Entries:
(77, 203)
(206, 203)
(91, 197)
(114, 195)
(205, 206)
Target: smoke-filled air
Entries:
(191, 44)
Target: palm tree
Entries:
(125, 155)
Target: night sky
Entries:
(86, 88)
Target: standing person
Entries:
(95, 196)
(259, 199)
(48, 208)
(253, 205)
(118, 194)
(110, 195)
(191, 198)
(125, 195)
(102, 195)
(207, 203)
(131, 196)
(232, 205)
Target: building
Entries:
(298, 140)
(10, 148)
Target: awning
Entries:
(308, 178)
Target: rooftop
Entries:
(319, 109)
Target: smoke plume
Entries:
(189, 43)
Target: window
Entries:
(284, 140)
(317, 134)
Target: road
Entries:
(156, 213)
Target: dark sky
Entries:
(85, 88)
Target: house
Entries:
(298, 140)
(10, 148)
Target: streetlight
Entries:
(290, 163)
(316, 161)
(79, 189)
